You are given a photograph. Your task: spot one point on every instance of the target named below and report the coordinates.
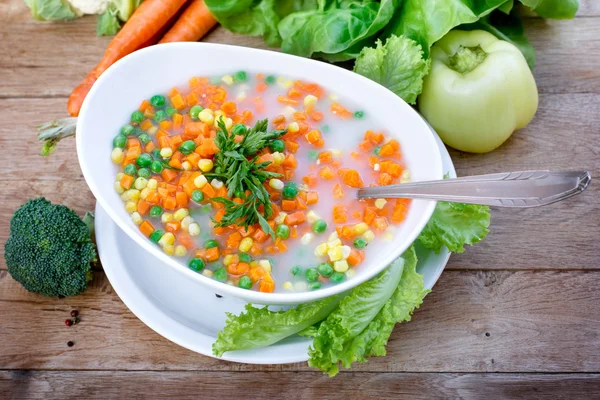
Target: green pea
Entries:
(240, 76)
(157, 100)
(277, 145)
(120, 141)
(187, 147)
(156, 235)
(144, 138)
(220, 275)
(359, 114)
(319, 226)
(270, 79)
(144, 160)
(171, 111)
(196, 264)
(314, 286)
(282, 231)
(313, 155)
(137, 116)
(209, 244)
(205, 209)
(197, 196)
(290, 191)
(336, 277)
(127, 130)
(360, 243)
(157, 167)
(325, 128)
(325, 269)
(130, 169)
(160, 115)
(144, 173)
(245, 257)
(137, 131)
(195, 110)
(245, 282)
(156, 154)
(311, 274)
(156, 211)
(376, 150)
(296, 270)
(239, 129)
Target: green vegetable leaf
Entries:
(554, 9)
(353, 315)
(107, 23)
(506, 27)
(398, 65)
(259, 327)
(455, 224)
(51, 10)
(507, 7)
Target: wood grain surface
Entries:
(514, 317)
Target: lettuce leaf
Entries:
(554, 9)
(398, 65)
(355, 312)
(260, 327)
(51, 10)
(455, 224)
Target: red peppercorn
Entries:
(68, 322)
(74, 313)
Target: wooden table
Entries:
(515, 316)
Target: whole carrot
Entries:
(145, 22)
(194, 23)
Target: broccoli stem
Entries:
(52, 132)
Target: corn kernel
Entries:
(227, 79)
(288, 84)
(217, 184)
(288, 111)
(346, 251)
(334, 235)
(169, 249)
(228, 123)
(312, 216)
(340, 266)
(310, 100)
(301, 286)
(120, 176)
(376, 167)
(218, 118)
(207, 273)
(152, 130)
(145, 192)
(280, 80)
(131, 194)
(181, 214)
(180, 251)
(140, 183)
(194, 229)
(389, 233)
(304, 187)
(280, 218)
(333, 97)
(288, 285)
(278, 158)
(253, 264)
(118, 188)
(241, 96)
(117, 155)
(168, 239)
(368, 235)
(293, 127)
(405, 177)
(335, 254)
(350, 273)
(246, 244)
(266, 265)
(185, 222)
(152, 184)
(206, 116)
(166, 152)
(388, 237)
(136, 218)
(166, 217)
(205, 165)
(131, 206)
(200, 181)
(321, 249)
(380, 203)
(276, 184)
(186, 165)
(336, 153)
(228, 260)
(360, 228)
(334, 243)
(307, 238)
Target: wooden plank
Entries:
(52, 76)
(471, 322)
(293, 385)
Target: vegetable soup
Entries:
(251, 179)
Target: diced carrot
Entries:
(312, 198)
(395, 170)
(287, 100)
(289, 161)
(171, 188)
(145, 104)
(376, 138)
(149, 147)
(373, 160)
(345, 232)
(166, 125)
(143, 206)
(163, 142)
(178, 102)
(238, 269)
(352, 178)
(340, 215)
(299, 116)
(386, 150)
(338, 192)
(288, 205)
(173, 92)
(295, 218)
(208, 191)
(177, 120)
(191, 99)
(384, 179)
(261, 87)
(173, 226)
(229, 107)
(260, 236)
(380, 223)
(146, 124)
(168, 174)
(291, 146)
(314, 137)
(186, 240)
(181, 198)
(281, 246)
(310, 180)
(233, 240)
(208, 148)
(278, 119)
(340, 111)
(193, 159)
(255, 274)
(294, 93)
(301, 203)
(126, 181)
(366, 145)
(169, 203)
(370, 214)
(354, 258)
(256, 249)
(326, 173)
(175, 163)
(325, 157)
(152, 197)
(316, 116)
(266, 285)
(146, 228)
(212, 254)
(149, 112)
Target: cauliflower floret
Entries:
(89, 6)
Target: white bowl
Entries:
(158, 68)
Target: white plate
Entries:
(189, 314)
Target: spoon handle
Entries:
(510, 189)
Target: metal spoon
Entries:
(510, 189)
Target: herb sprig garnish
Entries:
(237, 165)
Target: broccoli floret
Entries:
(50, 249)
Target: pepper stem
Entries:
(466, 59)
